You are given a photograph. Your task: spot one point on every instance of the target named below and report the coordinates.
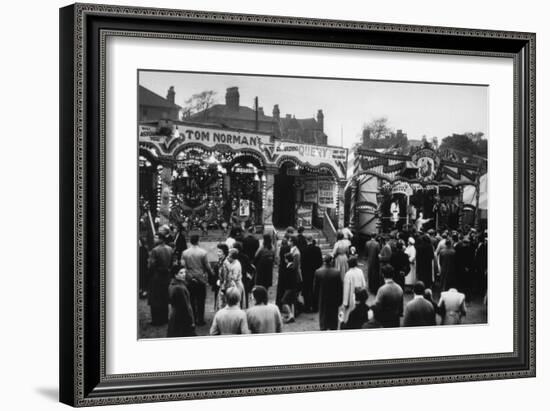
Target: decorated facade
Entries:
(426, 188)
(209, 176)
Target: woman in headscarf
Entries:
(181, 322)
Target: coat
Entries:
(424, 263)
(410, 279)
(264, 319)
(388, 306)
(452, 306)
(312, 259)
(328, 290)
(229, 320)
(250, 246)
(357, 317)
(263, 261)
(447, 268)
(419, 312)
(373, 265)
(181, 322)
(160, 263)
(353, 280)
(400, 263)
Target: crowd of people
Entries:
(452, 264)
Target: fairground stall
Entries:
(426, 188)
(207, 176)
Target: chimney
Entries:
(171, 95)
(320, 119)
(276, 112)
(232, 98)
(261, 111)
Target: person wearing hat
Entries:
(327, 286)
(160, 262)
(181, 322)
(312, 259)
(388, 305)
(419, 311)
(372, 249)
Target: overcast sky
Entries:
(416, 108)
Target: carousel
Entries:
(426, 189)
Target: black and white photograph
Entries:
(275, 204)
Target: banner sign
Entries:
(170, 137)
(207, 136)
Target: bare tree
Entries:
(199, 102)
(377, 129)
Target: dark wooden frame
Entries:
(83, 29)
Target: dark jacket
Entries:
(389, 304)
(181, 322)
(328, 293)
(311, 260)
(357, 317)
(419, 312)
(424, 262)
(447, 258)
(250, 246)
(264, 266)
(401, 266)
(160, 262)
(289, 278)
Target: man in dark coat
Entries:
(388, 306)
(447, 266)
(181, 322)
(160, 262)
(419, 311)
(372, 249)
(180, 243)
(400, 263)
(424, 260)
(250, 244)
(312, 259)
(301, 241)
(328, 293)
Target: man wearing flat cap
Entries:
(160, 262)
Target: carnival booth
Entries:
(425, 189)
(207, 176)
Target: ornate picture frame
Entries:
(84, 29)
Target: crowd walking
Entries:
(335, 286)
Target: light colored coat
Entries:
(354, 279)
(454, 304)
